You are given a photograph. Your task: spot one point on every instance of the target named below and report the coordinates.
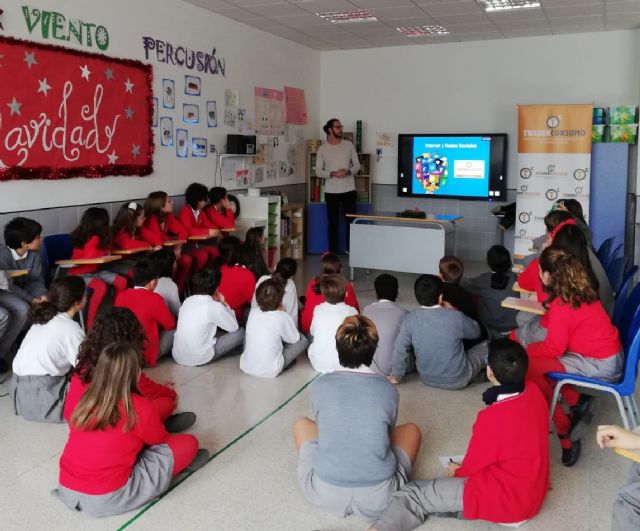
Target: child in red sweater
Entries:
(237, 283)
(504, 475)
(330, 264)
(119, 456)
(219, 210)
(127, 229)
(161, 226)
(150, 309)
(121, 325)
(198, 224)
(90, 239)
(580, 340)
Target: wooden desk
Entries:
(15, 273)
(517, 288)
(230, 229)
(629, 454)
(201, 237)
(131, 251)
(523, 305)
(517, 268)
(382, 240)
(173, 243)
(89, 261)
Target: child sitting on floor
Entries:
(164, 261)
(48, 352)
(237, 283)
(433, 334)
(330, 264)
(504, 475)
(451, 273)
(151, 310)
(207, 327)
(268, 327)
(353, 457)
(118, 455)
(284, 273)
(327, 317)
(387, 316)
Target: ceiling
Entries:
(465, 19)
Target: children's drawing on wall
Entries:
(259, 157)
(269, 111)
(242, 178)
(269, 152)
(258, 174)
(199, 147)
(168, 93)
(166, 131)
(283, 168)
(212, 114)
(228, 169)
(275, 141)
(182, 143)
(384, 139)
(154, 119)
(272, 170)
(230, 117)
(192, 85)
(292, 157)
(296, 106)
(190, 113)
(231, 98)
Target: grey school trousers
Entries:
(17, 311)
(414, 502)
(626, 506)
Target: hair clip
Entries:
(132, 206)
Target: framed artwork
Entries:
(212, 114)
(182, 143)
(199, 147)
(166, 131)
(192, 85)
(190, 113)
(168, 93)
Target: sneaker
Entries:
(180, 422)
(570, 455)
(581, 412)
(201, 459)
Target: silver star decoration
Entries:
(129, 112)
(15, 107)
(44, 86)
(30, 59)
(109, 73)
(113, 157)
(135, 151)
(128, 86)
(85, 72)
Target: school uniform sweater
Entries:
(218, 219)
(586, 330)
(100, 461)
(168, 289)
(262, 355)
(196, 223)
(31, 285)
(507, 460)
(150, 389)
(327, 318)
(312, 299)
(490, 310)
(157, 233)
(237, 285)
(334, 157)
(289, 301)
(152, 312)
(529, 279)
(50, 348)
(124, 240)
(387, 316)
(91, 249)
(459, 298)
(198, 322)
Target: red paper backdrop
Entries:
(67, 113)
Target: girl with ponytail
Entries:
(48, 352)
(580, 339)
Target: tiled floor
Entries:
(250, 482)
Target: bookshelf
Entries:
(292, 231)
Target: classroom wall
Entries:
(471, 87)
(253, 58)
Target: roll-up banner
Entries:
(554, 159)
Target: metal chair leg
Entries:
(623, 413)
(554, 402)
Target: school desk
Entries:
(523, 305)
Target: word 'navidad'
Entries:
(66, 138)
(167, 52)
(55, 25)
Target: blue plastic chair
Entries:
(621, 297)
(628, 313)
(617, 271)
(624, 391)
(613, 256)
(55, 247)
(604, 250)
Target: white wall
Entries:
(253, 58)
(473, 87)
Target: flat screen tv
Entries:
(460, 166)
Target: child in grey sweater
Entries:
(430, 341)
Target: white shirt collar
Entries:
(196, 213)
(505, 396)
(16, 256)
(362, 369)
(431, 307)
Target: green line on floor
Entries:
(223, 449)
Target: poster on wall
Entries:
(296, 106)
(554, 159)
(212, 114)
(199, 147)
(166, 131)
(272, 170)
(182, 143)
(269, 111)
(190, 113)
(168, 93)
(192, 85)
(258, 174)
(72, 113)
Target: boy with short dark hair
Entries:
(353, 457)
(207, 327)
(451, 273)
(268, 327)
(150, 309)
(504, 475)
(387, 316)
(434, 335)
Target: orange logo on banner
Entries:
(554, 128)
